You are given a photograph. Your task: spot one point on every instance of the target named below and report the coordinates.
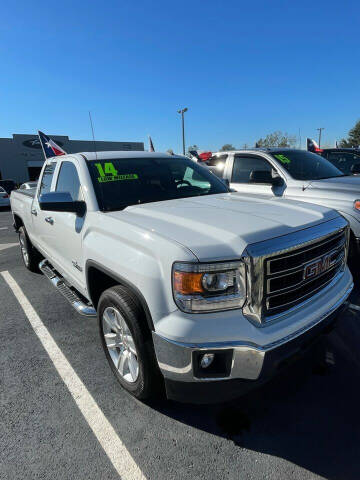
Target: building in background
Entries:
(21, 156)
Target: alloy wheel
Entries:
(24, 251)
(120, 344)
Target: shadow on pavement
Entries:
(308, 415)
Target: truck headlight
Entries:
(209, 287)
(357, 205)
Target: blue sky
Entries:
(242, 68)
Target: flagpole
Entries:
(42, 146)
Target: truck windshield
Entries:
(119, 183)
(303, 165)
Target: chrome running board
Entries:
(70, 295)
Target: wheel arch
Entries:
(18, 222)
(99, 279)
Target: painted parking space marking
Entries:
(114, 448)
(4, 246)
(4, 228)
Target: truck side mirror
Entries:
(61, 202)
(355, 169)
(265, 176)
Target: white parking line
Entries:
(4, 246)
(354, 307)
(4, 228)
(114, 448)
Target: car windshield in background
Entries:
(344, 161)
(8, 185)
(123, 182)
(303, 165)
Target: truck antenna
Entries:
(93, 135)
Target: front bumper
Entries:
(249, 366)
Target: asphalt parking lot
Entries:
(305, 424)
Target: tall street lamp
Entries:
(183, 127)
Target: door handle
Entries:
(34, 212)
(49, 220)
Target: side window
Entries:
(46, 178)
(244, 166)
(68, 180)
(216, 159)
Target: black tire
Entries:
(32, 257)
(149, 381)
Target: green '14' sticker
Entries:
(108, 173)
(283, 159)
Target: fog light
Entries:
(206, 360)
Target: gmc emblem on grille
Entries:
(321, 265)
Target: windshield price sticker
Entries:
(283, 159)
(108, 173)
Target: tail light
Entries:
(6, 196)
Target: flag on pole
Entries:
(151, 145)
(205, 156)
(50, 148)
(312, 146)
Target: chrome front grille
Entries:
(286, 272)
(296, 276)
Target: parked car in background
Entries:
(4, 198)
(295, 175)
(28, 185)
(194, 287)
(345, 159)
(8, 185)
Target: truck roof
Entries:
(123, 154)
(342, 149)
(261, 149)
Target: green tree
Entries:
(227, 147)
(353, 139)
(277, 139)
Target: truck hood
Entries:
(348, 185)
(221, 226)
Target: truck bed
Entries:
(29, 193)
(21, 203)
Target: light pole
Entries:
(320, 130)
(183, 127)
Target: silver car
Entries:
(4, 198)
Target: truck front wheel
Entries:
(30, 255)
(127, 342)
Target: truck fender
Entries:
(92, 268)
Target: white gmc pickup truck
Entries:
(296, 175)
(202, 290)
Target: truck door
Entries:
(42, 230)
(67, 227)
(245, 174)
